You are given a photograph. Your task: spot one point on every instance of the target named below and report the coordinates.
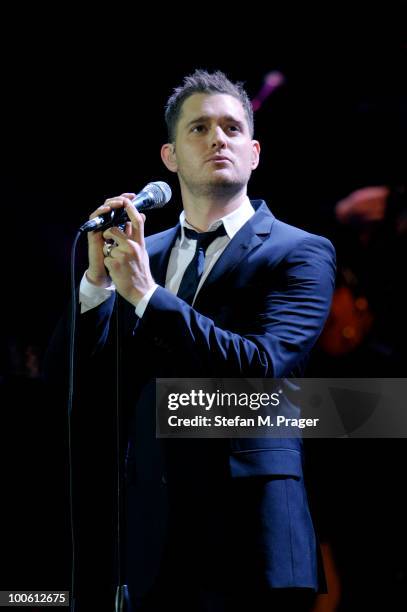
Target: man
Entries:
(211, 524)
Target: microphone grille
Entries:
(160, 193)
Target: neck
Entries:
(201, 212)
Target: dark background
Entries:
(82, 120)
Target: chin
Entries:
(222, 187)
(222, 176)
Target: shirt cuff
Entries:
(91, 295)
(143, 303)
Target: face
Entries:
(213, 152)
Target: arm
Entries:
(94, 322)
(289, 319)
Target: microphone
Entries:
(154, 195)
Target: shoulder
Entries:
(294, 237)
(293, 251)
(302, 255)
(286, 239)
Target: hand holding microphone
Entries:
(123, 210)
(154, 195)
(127, 260)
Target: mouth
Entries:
(219, 159)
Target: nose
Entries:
(218, 137)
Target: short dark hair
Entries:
(202, 81)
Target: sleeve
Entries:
(143, 303)
(91, 296)
(289, 320)
(92, 334)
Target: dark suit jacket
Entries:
(222, 514)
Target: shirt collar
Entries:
(232, 222)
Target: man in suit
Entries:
(211, 524)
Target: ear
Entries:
(255, 154)
(169, 157)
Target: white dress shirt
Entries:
(181, 255)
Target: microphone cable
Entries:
(71, 389)
(120, 590)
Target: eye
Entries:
(234, 128)
(198, 128)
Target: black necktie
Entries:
(194, 270)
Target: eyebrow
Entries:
(206, 118)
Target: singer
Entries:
(231, 291)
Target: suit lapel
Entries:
(246, 239)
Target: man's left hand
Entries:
(128, 262)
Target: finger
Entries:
(107, 249)
(134, 232)
(137, 221)
(129, 196)
(115, 253)
(100, 211)
(108, 261)
(128, 229)
(109, 204)
(116, 234)
(116, 202)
